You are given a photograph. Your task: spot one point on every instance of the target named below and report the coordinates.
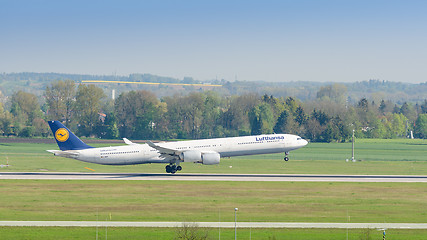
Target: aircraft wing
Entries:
(164, 151)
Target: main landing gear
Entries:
(173, 168)
(286, 156)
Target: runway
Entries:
(213, 224)
(213, 177)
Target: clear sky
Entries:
(289, 40)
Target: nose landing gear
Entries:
(286, 158)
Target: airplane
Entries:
(205, 151)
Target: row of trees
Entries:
(141, 115)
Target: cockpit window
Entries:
(299, 138)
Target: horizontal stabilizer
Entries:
(128, 142)
(67, 154)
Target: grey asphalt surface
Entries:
(211, 177)
(213, 224)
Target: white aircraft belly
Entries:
(252, 150)
(121, 155)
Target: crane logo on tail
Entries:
(62, 135)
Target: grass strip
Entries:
(53, 233)
(183, 201)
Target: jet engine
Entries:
(191, 156)
(209, 158)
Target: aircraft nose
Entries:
(304, 142)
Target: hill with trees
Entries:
(376, 90)
(317, 111)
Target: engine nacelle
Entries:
(191, 156)
(209, 158)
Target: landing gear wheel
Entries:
(173, 167)
(286, 156)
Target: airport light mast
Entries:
(352, 149)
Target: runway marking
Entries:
(213, 224)
(214, 177)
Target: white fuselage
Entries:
(226, 147)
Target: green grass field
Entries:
(54, 233)
(191, 201)
(210, 201)
(393, 156)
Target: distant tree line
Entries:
(374, 90)
(140, 114)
